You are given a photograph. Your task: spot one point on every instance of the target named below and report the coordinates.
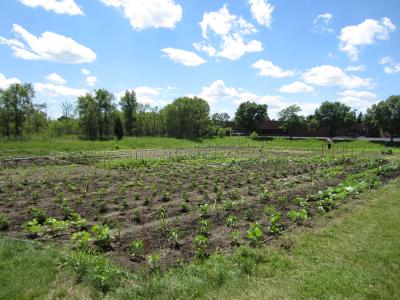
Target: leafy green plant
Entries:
(255, 234)
(270, 210)
(204, 227)
(136, 215)
(201, 244)
(81, 240)
(264, 195)
(298, 216)
(37, 213)
(103, 236)
(234, 237)
(136, 249)
(153, 262)
(173, 238)
(184, 207)
(231, 221)
(275, 227)
(166, 196)
(56, 226)
(33, 228)
(249, 214)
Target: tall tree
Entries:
(220, 119)
(17, 102)
(290, 120)
(334, 116)
(5, 113)
(118, 129)
(388, 115)
(370, 121)
(129, 105)
(188, 118)
(250, 115)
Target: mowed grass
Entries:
(37, 145)
(352, 252)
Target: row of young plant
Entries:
(93, 267)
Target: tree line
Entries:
(99, 116)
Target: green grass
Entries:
(39, 146)
(352, 252)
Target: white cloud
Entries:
(52, 90)
(153, 96)
(91, 80)
(210, 50)
(327, 75)
(228, 32)
(143, 14)
(184, 57)
(217, 91)
(322, 23)
(392, 69)
(352, 38)
(49, 46)
(54, 77)
(268, 69)
(359, 68)
(68, 7)
(6, 82)
(261, 11)
(385, 60)
(85, 72)
(359, 100)
(296, 88)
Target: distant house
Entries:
(272, 128)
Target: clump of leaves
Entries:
(249, 214)
(264, 195)
(231, 221)
(255, 234)
(270, 210)
(298, 216)
(103, 236)
(38, 214)
(275, 227)
(153, 262)
(136, 215)
(33, 228)
(234, 237)
(201, 244)
(77, 221)
(81, 240)
(184, 207)
(136, 249)
(4, 222)
(173, 238)
(166, 196)
(204, 227)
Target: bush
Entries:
(103, 236)
(96, 270)
(4, 222)
(221, 132)
(254, 136)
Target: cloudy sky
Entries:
(268, 51)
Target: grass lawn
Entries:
(38, 145)
(352, 252)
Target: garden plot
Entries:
(171, 212)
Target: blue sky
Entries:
(273, 52)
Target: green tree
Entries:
(16, 105)
(118, 129)
(187, 118)
(220, 119)
(388, 115)
(370, 121)
(334, 116)
(250, 115)
(129, 105)
(290, 120)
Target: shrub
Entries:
(55, 225)
(96, 270)
(255, 234)
(81, 240)
(299, 216)
(136, 249)
(254, 136)
(33, 228)
(38, 214)
(201, 244)
(275, 227)
(221, 132)
(103, 236)
(4, 222)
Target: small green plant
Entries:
(166, 196)
(153, 262)
(204, 227)
(33, 228)
(136, 249)
(103, 236)
(56, 226)
(77, 221)
(173, 238)
(81, 240)
(249, 214)
(254, 136)
(4, 222)
(270, 210)
(275, 227)
(38, 214)
(201, 244)
(234, 237)
(184, 207)
(204, 208)
(265, 195)
(255, 234)
(136, 215)
(299, 216)
(231, 221)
